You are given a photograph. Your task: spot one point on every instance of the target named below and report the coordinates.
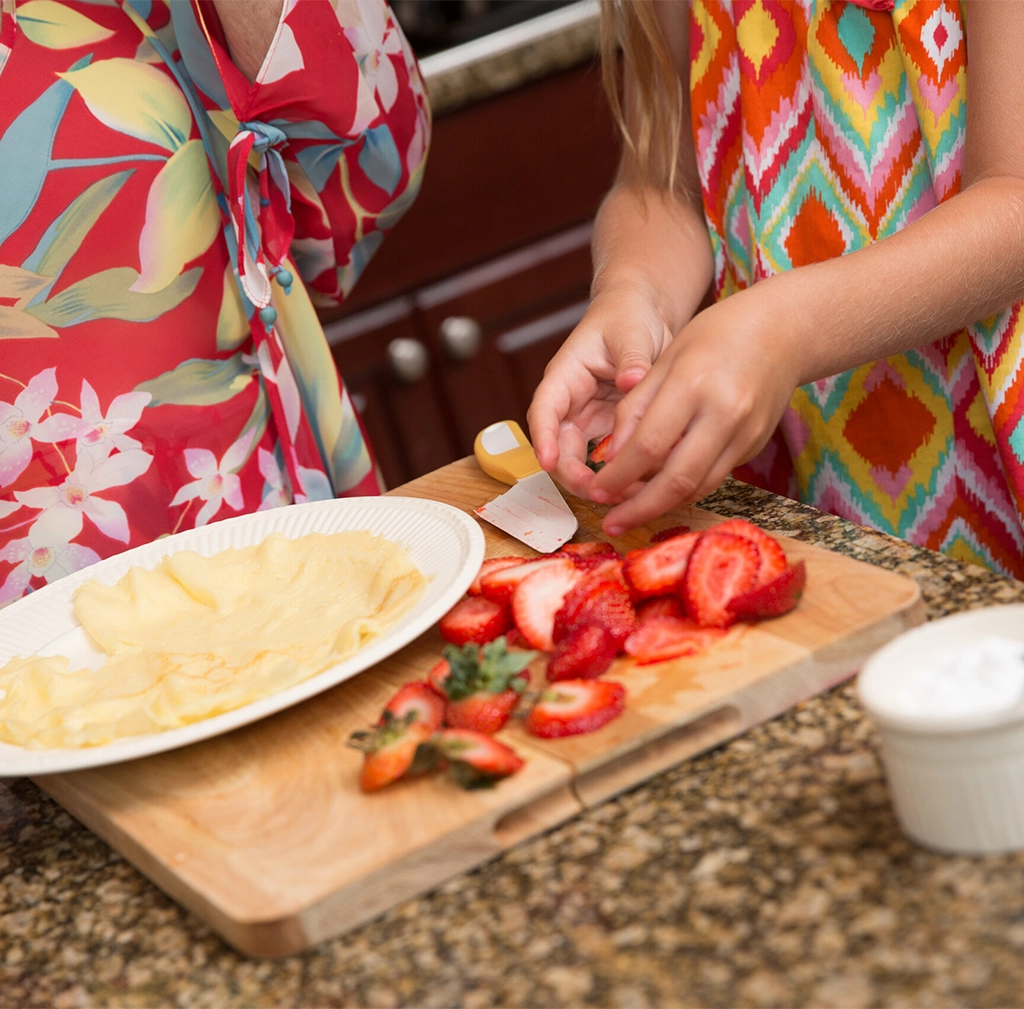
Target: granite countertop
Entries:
(512, 57)
(767, 872)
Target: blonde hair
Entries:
(651, 123)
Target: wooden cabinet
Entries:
(454, 320)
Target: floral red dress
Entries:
(166, 230)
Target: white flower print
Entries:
(63, 507)
(374, 39)
(18, 423)
(96, 434)
(278, 490)
(8, 508)
(215, 483)
(40, 555)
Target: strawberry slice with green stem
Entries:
(391, 749)
(482, 686)
(572, 707)
(475, 760)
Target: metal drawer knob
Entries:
(409, 359)
(460, 337)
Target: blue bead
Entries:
(284, 277)
(268, 315)
(264, 202)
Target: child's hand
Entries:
(710, 402)
(608, 353)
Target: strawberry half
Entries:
(538, 598)
(721, 567)
(596, 601)
(499, 586)
(391, 749)
(657, 570)
(659, 638)
(475, 619)
(482, 686)
(667, 534)
(774, 598)
(419, 699)
(572, 707)
(583, 654)
(489, 566)
(476, 760)
(773, 557)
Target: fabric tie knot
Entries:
(264, 135)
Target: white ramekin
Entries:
(957, 783)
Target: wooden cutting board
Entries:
(265, 835)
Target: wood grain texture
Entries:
(264, 834)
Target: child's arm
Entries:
(652, 266)
(714, 396)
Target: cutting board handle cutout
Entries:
(659, 754)
(537, 816)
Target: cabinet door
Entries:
(500, 175)
(391, 375)
(520, 307)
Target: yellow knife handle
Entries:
(504, 452)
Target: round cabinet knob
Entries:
(460, 337)
(409, 359)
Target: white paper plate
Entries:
(445, 544)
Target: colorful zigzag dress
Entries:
(821, 127)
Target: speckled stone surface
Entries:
(465, 85)
(767, 872)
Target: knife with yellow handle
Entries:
(533, 510)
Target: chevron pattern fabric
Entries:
(821, 127)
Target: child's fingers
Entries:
(648, 423)
(701, 460)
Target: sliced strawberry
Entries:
(667, 534)
(596, 601)
(475, 619)
(773, 557)
(662, 606)
(571, 707)
(659, 638)
(538, 598)
(608, 569)
(476, 760)
(489, 566)
(589, 549)
(391, 749)
(482, 685)
(499, 586)
(584, 653)
(772, 599)
(721, 567)
(419, 699)
(657, 570)
(598, 452)
(438, 674)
